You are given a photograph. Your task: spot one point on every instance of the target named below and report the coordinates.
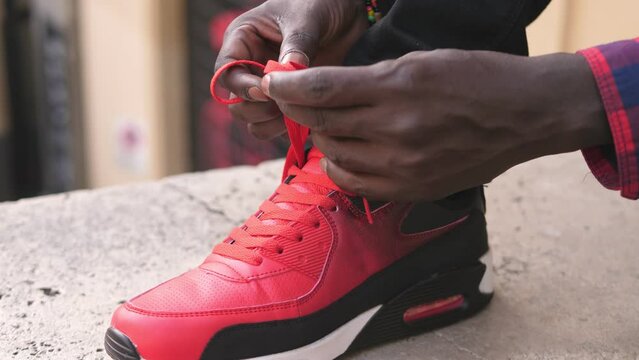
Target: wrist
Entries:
(573, 114)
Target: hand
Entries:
(433, 123)
(317, 32)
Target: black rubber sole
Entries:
(389, 324)
(119, 347)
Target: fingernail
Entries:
(266, 81)
(256, 94)
(323, 164)
(295, 56)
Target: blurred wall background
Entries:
(570, 25)
(102, 92)
(46, 146)
(134, 79)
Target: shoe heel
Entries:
(439, 300)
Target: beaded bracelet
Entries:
(372, 11)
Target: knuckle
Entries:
(443, 61)
(449, 54)
(239, 31)
(407, 128)
(235, 23)
(384, 70)
(411, 163)
(297, 37)
(400, 76)
(320, 86)
(232, 27)
(299, 42)
(240, 27)
(410, 72)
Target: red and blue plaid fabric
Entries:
(616, 70)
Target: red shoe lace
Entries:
(272, 223)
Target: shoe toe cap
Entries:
(164, 337)
(177, 319)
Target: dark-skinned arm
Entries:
(430, 124)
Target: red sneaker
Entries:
(311, 276)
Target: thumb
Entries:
(300, 44)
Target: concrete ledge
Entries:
(566, 258)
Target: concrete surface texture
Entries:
(566, 258)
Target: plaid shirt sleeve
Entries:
(616, 70)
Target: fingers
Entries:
(330, 121)
(242, 43)
(371, 187)
(300, 41)
(323, 86)
(267, 130)
(255, 112)
(354, 155)
(239, 81)
(264, 120)
(296, 57)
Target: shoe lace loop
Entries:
(272, 223)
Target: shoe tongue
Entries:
(312, 162)
(312, 166)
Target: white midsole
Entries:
(330, 346)
(486, 286)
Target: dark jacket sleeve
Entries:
(412, 25)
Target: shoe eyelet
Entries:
(317, 225)
(334, 209)
(280, 250)
(300, 238)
